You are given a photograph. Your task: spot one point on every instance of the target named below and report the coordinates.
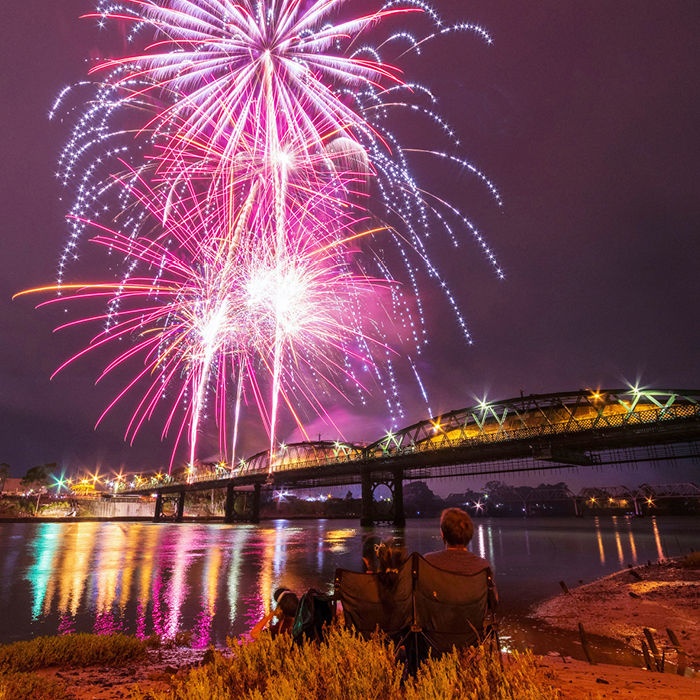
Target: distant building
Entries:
(15, 487)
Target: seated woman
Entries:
(370, 551)
(390, 555)
(286, 602)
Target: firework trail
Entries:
(221, 309)
(246, 155)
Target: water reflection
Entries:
(618, 542)
(657, 539)
(176, 591)
(74, 572)
(234, 576)
(111, 550)
(631, 537)
(217, 580)
(40, 575)
(210, 581)
(599, 535)
(145, 578)
(482, 546)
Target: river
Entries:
(215, 580)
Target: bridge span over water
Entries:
(527, 433)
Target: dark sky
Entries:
(586, 116)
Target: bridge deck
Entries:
(528, 433)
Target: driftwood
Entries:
(563, 587)
(586, 646)
(647, 656)
(682, 664)
(658, 659)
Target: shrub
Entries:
(475, 673)
(346, 667)
(29, 686)
(72, 650)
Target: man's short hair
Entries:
(456, 527)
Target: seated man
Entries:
(457, 531)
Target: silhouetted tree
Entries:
(4, 473)
(39, 475)
(419, 499)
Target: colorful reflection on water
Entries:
(216, 580)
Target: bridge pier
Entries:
(366, 517)
(180, 506)
(242, 506)
(399, 514)
(396, 516)
(255, 517)
(158, 514)
(228, 508)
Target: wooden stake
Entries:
(586, 646)
(647, 656)
(654, 650)
(679, 650)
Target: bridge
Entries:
(527, 433)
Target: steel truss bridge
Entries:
(528, 433)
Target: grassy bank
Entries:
(346, 667)
(19, 660)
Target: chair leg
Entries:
(498, 646)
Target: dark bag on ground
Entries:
(313, 612)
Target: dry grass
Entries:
(70, 651)
(19, 659)
(346, 667)
(29, 686)
(478, 674)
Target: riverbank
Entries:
(659, 597)
(655, 596)
(578, 680)
(173, 674)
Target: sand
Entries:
(577, 680)
(659, 597)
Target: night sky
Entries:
(586, 116)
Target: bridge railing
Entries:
(390, 446)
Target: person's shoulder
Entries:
(459, 561)
(477, 560)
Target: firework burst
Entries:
(245, 155)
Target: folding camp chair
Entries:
(368, 605)
(427, 612)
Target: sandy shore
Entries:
(577, 680)
(659, 597)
